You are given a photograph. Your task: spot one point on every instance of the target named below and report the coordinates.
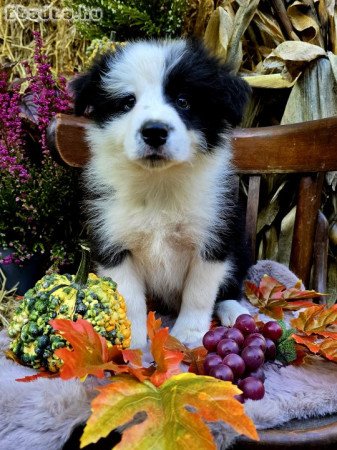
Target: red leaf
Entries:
(153, 324)
(135, 367)
(197, 356)
(308, 341)
(42, 374)
(90, 354)
(133, 356)
(272, 298)
(269, 287)
(167, 361)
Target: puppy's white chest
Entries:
(162, 254)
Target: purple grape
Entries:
(240, 398)
(236, 335)
(211, 361)
(252, 388)
(259, 374)
(220, 332)
(210, 340)
(270, 352)
(236, 363)
(239, 383)
(255, 339)
(222, 372)
(245, 323)
(272, 330)
(227, 346)
(253, 357)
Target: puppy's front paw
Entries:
(188, 335)
(229, 310)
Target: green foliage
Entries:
(285, 348)
(130, 19)
(41, 212)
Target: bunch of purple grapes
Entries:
(237, 354)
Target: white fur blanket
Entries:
(41, 415)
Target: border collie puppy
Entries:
(162, 207)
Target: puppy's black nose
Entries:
(154, 133)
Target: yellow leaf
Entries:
(271, 81)
(169, 417)
(317, 320)
(219, 32)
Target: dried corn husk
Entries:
(219, 32)
(304, 19)
(242, 20)
(306, 101)
(286, 236)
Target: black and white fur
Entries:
(161, 205)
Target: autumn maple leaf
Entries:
(173, 415)
(90, 354)
(316, 331)
(167, 360)
(272, 298)
(36, 376)
(318, 319)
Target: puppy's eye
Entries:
(182, 102)
(128, 102)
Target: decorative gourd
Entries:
(93, 298)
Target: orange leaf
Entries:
(317, 331)
(133, 356)
(197, 358)
(90, 354)
(270, 288)
(135, 367)
(295, 305)
(272, 298)
(308, 341)
(328, 349)
(153, 324)
(42, 374)
(169, 417)
(167, 361)
(317, 320)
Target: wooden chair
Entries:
(308, 149)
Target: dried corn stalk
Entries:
(289, 45)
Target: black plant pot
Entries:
(25, 276)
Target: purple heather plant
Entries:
(37, 196)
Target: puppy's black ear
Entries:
(87, 86)
(236, 94)
(81, 87)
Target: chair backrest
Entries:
(309, 149)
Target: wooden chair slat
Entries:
(308, 203)
(251, 214)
